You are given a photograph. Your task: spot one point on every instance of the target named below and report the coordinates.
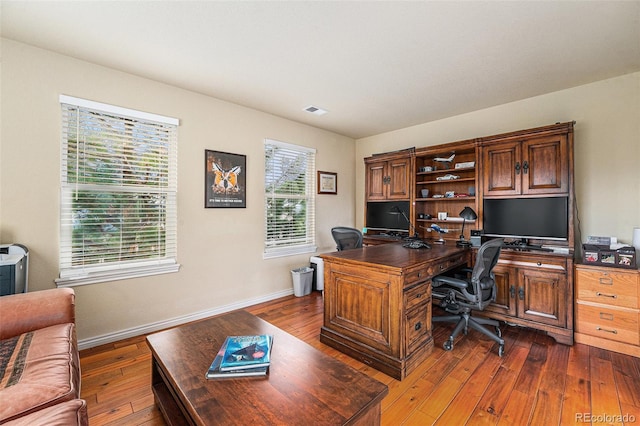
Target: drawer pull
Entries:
(613, 296)
(606, 281)
(606, 316)
(419, 296)
(418, 326)
(608, 331)
(539, 263)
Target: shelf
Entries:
(447, 221)
(445, 171)
(450, 199)
(429, 182)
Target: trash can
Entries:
(302, 279)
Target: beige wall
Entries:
(220, 250)
(607, 146)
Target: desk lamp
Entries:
(466, 214)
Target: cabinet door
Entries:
(398, 179)
(502, 169)
(506, 286)
(545, 166)
(542, 297)
(376, 180)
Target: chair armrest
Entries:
(438, 280)
(20, 313)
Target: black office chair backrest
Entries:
(346, 238)
(482, 276)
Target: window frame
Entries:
(309, 244)
(75, 275)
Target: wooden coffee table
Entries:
(304, 385)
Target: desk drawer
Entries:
(612, 324)
(615, 288)
(416, 276)
(414, 296)
(452, 262)
(418, 327)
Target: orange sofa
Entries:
(39, 360)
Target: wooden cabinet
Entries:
(388, 177)
(445, 187)
(377, 303)
(608, 308)
(532, 166)
(535, 290)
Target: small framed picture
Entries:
(327, 183)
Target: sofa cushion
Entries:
(38, 369)
(68, 413)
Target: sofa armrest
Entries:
(20, 313)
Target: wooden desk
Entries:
(304, 386)
(377, 302)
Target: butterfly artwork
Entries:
(225, 180)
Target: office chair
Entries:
(346, 238)
(460, 296)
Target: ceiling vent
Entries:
(315, 110)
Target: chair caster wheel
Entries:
(447, 345)
(500, 350)
(498, 332)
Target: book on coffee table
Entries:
(214, 370)
(246, 352)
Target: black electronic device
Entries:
(383, 216)
(526, 218)
(416, 244)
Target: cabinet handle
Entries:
(521, 293)
(539, 263)
(518, 168)
(525, 167)
(608, 331)
(512, 291)
(419, 296)
(418, 326)
(606, 316)
(613, 296)
(606, 281)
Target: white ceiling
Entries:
(375, 66)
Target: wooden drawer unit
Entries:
(608, 308)
(608, 323)
(610, 287)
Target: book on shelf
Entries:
(243, 352)
(214, 371)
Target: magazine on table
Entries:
(246, 352)
(214, 371)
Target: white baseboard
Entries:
(161, 325)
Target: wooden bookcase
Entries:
(437, 195)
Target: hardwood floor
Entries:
(537, 382)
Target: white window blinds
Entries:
(118, 193)
(289, 199)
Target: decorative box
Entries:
(624, 257)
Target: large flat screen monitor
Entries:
(387, 216)
(537, 218)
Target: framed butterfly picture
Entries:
(225, 181)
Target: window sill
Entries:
(289, 251)
(117, 275)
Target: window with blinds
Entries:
(289, 199)
(118, 193)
